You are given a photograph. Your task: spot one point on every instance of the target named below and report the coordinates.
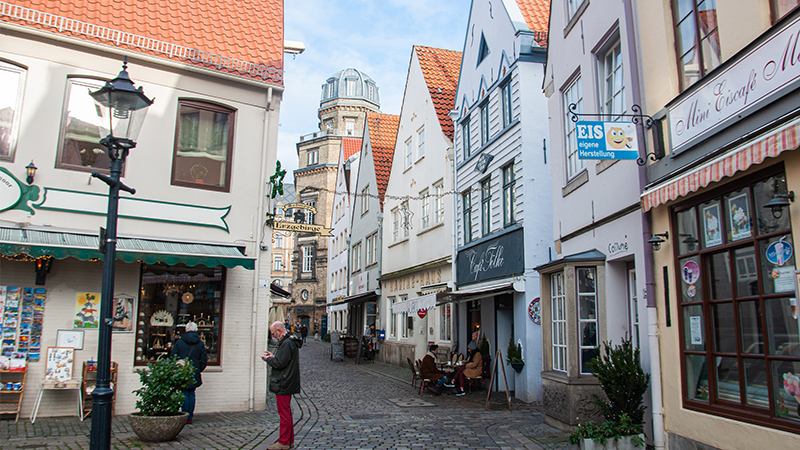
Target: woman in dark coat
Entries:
(191, 347)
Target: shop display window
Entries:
(171, 297)
(738, 291)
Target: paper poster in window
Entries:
(87, 310)
(123, 314)
(739, 211)
(696, 329)
(783, 278)
(711, 226)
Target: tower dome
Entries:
(350, 84)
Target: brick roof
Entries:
(382, 137)
(243, 37)
(537, 16)
(351, 146)
(441, 68)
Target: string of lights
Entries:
(405, 197)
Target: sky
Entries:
(373, 36)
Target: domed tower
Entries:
(346, 97)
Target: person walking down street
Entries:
(284, 381)
(429, 371)
(304, 332)
(191, 347)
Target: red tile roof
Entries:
(441, 68)
(382, 137)
(244, 37)
(537, 16)
(351, 146)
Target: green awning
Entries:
(84, 246)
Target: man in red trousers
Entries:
(284, 381)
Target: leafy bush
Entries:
(625, 426)
(326, 338)
(620, 374)
(162, 385)
(512, 352)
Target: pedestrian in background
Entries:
(284, 381)
(304, 332)
(191, 347)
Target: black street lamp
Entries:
(122, 109)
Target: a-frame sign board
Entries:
(498, 357)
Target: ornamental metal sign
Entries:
(606, 140)
(14, 194)
(501, 257)
(302, 227)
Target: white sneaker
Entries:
(461, 393)
(451, 385)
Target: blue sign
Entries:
(607, 140)
(779, 252)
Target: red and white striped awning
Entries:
(770, 144)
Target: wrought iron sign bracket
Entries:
(637, 118)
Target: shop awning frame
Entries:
(61, 244)
(413, 305)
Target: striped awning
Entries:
(413, 305)
(770, 144)
(84, 246)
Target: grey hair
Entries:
(191, 326)
(278, 325)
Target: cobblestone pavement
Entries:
(342, 406)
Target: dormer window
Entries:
(351, 87)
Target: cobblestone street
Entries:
(343, 406)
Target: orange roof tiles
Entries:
(250, 31)
(537, 16)
(382, 137)
(351, 146)
(441, 68)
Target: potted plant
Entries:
(619, 371)
(160, 398)
(513, 356)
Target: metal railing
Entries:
(117, 37)
(331, 132)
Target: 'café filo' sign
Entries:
(769, 68)
(497, 258)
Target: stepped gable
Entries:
(382, 137)
(250, 31)
(351, 146)
(537, 16)
(441, 69)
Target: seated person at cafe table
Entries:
(473, 369)
(428, 369)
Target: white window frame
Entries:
(445, 322)
(438, 204)
(465, 138)
(466, 207)
(404, 206)
(308, 259)
(484, 123)
(420, 143)
(572, 7)
(508, 112)
(404, 328)
(277, 262)
(279, 241)
(509, 195)
(395, 225)
(372, 249)
(9, 72)
(581, 321)
(558, 319)
(357, 257)
(612, 82)
(313, 157)
(309, 215)
(350, 127)
(409, 153)
(425, 209)
(393, 322)
(486, 206)
(572, 94)
(365, 200)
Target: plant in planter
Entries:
(514, 356)
(619, 371)
(160, 399)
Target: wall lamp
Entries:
(30, 170)
(657, 240)
(779, 201)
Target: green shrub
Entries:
(512, 352)
(623, 380)
(326, 338)
(162, 385)
(608, 430)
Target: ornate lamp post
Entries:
(122, 108)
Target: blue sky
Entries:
(373, 36)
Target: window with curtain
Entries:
(558, 318)
(203, 146)
(573, 94)
(12, 87)
(696, 37)
(81, 129)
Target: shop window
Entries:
(781, 8)
(558, 317)
(81, 129)
(445, 312)
(172, 296)
(587, 316)
(12, 80)
(696, 38)
(203, 146)
(738, 318)
(372, 314)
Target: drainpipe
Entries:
(652, 311)
(258, 237)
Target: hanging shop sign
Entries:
(606, 140)
(302, 227)
(501, 257)
(535, 311)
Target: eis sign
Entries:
(607, 140)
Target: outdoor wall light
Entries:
(779, 201)
(657, 240)
(30, 170)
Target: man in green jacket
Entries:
(284, 380)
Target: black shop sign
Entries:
(500, 257)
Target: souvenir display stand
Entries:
(54, 385)
(12, 384)
(88, 383)
(58, 377)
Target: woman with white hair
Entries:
(191, 347)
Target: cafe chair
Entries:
(454, 359)
(460, 357)
(414, 374)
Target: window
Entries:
(438, 215)
(425, 209)
(372, 249)
(558, 317)
(508, 113)
(509, 195)
(483, 50)
(738, 319)
(393, 322)
(162, 287)
(350, 87)
(309, 215)
(466, 200)
(277, 263)
(406, 322)
(485, 124)
(350, 127)
(781, 8)
(444, 322)
(277, 282)
(279, 241)
(486, 206)
(587, 316)
(633, 308)
(12, 80)
(421, 143)
(313, 157)
(409, 153)
(372, 313)
(465, 138)
(203, 146)
(697, 39)
(81, 129)
(396, 225)
(308, 259)
(356, 257)
(333, 281)
(406, 217)
(572, 94)
(572, 7)
(365, 200)
(612, 90)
